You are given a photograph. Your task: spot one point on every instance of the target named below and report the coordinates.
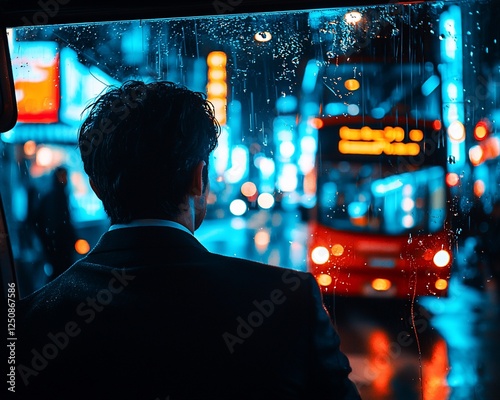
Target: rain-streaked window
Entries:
(360, 144)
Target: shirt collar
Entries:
(150, 222)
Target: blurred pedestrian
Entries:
(54, 226)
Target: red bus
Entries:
(380, 226)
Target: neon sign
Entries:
(37, 81)
(389, 140)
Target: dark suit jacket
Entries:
(151, 314)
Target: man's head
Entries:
(142, 145)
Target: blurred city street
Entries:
(430, 348)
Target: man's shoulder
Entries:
(45, 299)
(251, 271)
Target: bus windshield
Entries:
(371, 198)
(385, 176)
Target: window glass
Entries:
(360, 144)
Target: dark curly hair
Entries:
(139, 144)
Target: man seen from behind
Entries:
(149, 312)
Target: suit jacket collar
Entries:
(145, 237)
(150, 222)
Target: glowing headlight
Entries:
(320, 255)
(324, 279)
(441, 258)
(381, 285)
(441, 284)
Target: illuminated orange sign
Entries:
(217, 86)
(368, 141)
(36, 81)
